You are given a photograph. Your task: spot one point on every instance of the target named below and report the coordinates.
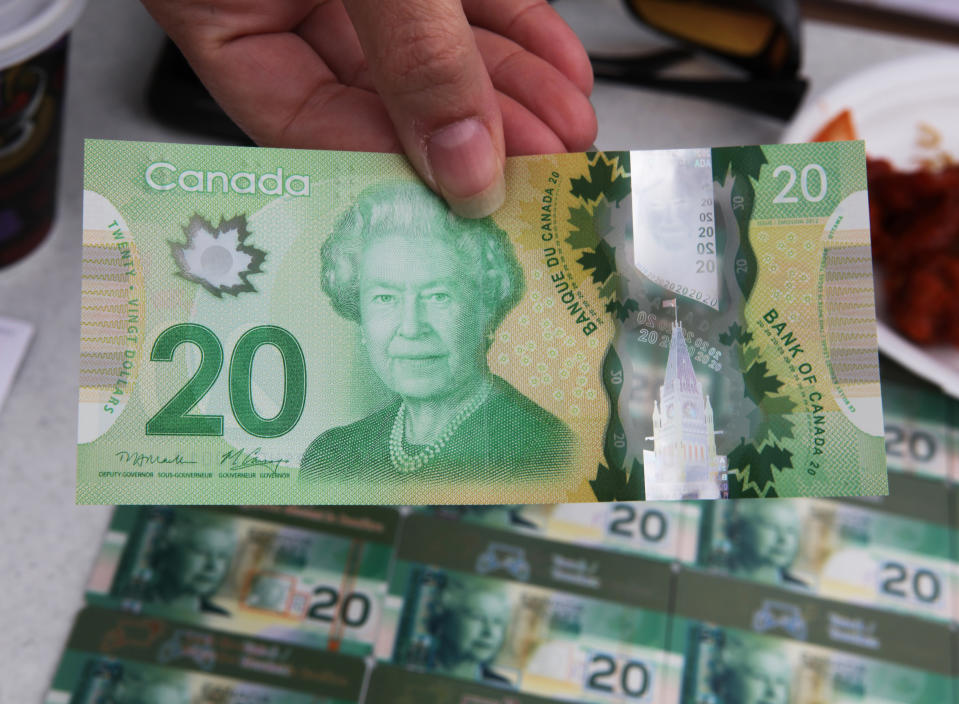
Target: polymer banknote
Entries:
(921, 427)
(264, 326)
(891, 553)
(313, 577)
(120, 658)
(667, 530)
(538, 617)
(733, 641)
(395, 685)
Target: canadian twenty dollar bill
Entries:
(762, 645)
(921, 426)
(121, 658)
(665, 530)
(895, 555)
(316, 579)
(535, 616)
(298, 327)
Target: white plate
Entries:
(892, 106)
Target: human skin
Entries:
(424, 328)
(456, 84)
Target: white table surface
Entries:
(47, 544)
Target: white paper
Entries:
(947, 10)
(14, 339)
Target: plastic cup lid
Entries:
(27, 27)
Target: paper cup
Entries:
(33, 49)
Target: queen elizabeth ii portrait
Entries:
(428, 290)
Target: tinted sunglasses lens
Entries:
(728, 27)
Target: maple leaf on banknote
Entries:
(607, 179)
(622, 310)
(218, 258)
(608, 483)
(751, 465)
(611, 286)
(736, 333)
(588, 228)
(743, 160)
(612, 484)
(591, 223)
(760, 382)
(602, 262)
(755, 469)
(748, 354)
(772, 422)
(636, 485)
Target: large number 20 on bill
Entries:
(295, 327)
(769, 645)
(317, 579)
(663, 530)
(895, 556)
(539, 617)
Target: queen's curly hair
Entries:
(414, 210)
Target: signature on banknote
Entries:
(244, 459)
(142, 459)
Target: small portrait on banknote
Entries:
(762, 541)
(428, 290)
(190, 560)
(144, 689)
(749, 675)
(269, 592)
(468, 626)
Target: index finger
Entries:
(538, 28)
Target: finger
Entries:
(281, 94)
(524, 132)
(329, 30)
(211, 23)
(269, 80)
(541, 88)
(424, 62)
(537, 27)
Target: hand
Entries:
(456, 84)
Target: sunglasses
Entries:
(760, 37)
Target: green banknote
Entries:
(298, 327)
(121, 658)
(660, 529)
(894, 553)
(739, 643)
(395, 685)
(920, 426)
(535, 616)
(312, 577)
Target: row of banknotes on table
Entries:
(789, 601)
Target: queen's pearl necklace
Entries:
(404, 462)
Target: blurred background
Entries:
(48, 544)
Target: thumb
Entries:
(425, 65)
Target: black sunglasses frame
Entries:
(779, 57)
(773, 87)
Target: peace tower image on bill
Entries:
(683, 463)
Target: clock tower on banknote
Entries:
(683, 463)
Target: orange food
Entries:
(838, 129)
